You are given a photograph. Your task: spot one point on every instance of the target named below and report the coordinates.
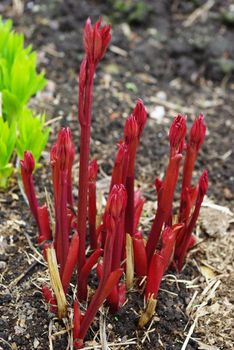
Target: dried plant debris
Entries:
(215, 219)
(212, 306)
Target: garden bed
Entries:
(171, 60)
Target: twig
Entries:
(200, 11)
(5, 342)
(32, 246)
(50, 335)
(191, 302)
(191, 329)
(118, 51)
(128, 342)
(167, 291)
(170, 105)
(63, 331)
(103, 338)
(52, 121)
(149, 330)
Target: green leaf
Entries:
(5, 173)
(12, 107)
(7, 144)
(19, 81)
(32, 135)
(18, 71)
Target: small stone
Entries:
(36, 343)
(2, 265)
(19, 330)
(228, 193)
(161, 95)
(158, 113)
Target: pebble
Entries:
(2, 265)
(158, 114)
(36, 343)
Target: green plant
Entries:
(18, 76)
(7, 144)
(19, 81)
(32, 135)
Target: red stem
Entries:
(140, 259)
(85, 123)
(189, 163)
(187, 234)
(70, 262)
(155, 274)
(69, 188)
(84, 273)
(63, 234)
(154, 234)
(99, 297)
(78, 344)
(129, 218)
(118, 245)
(108, 256)
(30, 191)
(164, 204)
(92, 208)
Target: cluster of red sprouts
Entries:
(117, 249)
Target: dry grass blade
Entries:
(116, 346)
(56, 282)
(5, 342)
(200, 11)
(148, 313)
(103, 337)
(129, 262)
(191, 329)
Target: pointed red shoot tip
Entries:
(122, 149)
(117, 201)
(28, 163)
(96, 40)
(65, 139)
(64, 149)
(131, 129)
(115, 206)
(177, 134)
(203, 184)
(140, 115)
(197, 132)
